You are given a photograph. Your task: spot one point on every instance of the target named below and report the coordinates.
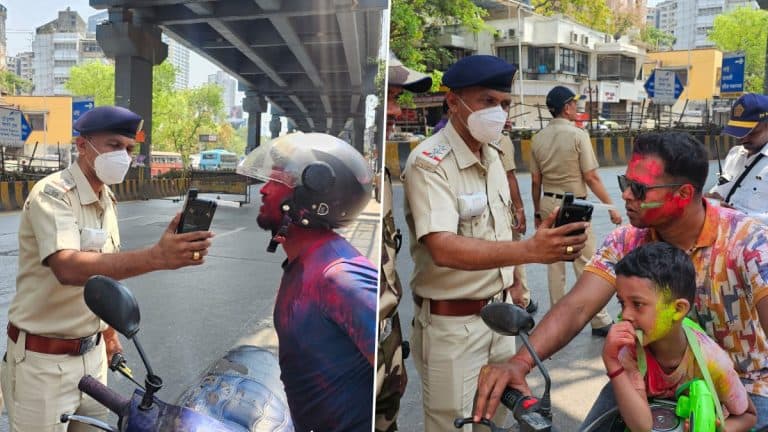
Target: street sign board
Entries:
(663, 86)
(732, 74)
(12, 132)
(80, 107)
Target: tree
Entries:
(592, 13)
(415, 26)
(12, 84)
(656, 39)
(185, 115)
(746, 30)
(178, 116)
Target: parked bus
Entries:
(162, 162)
(219, 159)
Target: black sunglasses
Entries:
(639, 189)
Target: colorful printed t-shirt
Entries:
(659, 384)
(731, 261)
(325, 318)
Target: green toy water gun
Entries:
(701, 406)
(698, 406)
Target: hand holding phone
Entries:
(197, 215)
(573, 210)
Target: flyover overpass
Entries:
(309, 58)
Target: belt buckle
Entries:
(87, 344)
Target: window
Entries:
(615, 67)
(582, 63)
(37, 121)
(567, 60)
(541, 59)
(710, 11)
(509, 54)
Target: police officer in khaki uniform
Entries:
(563, 160)
(458, 210)
(521, 295)
(391, 378)
(69, 232)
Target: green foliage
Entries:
(12, 84)
(415, 27)
(592, 13)
(746, 30)
(178, 116)
(656, 39)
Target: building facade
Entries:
(554, 51)
(3, 40)
(228, 90)
(694, 21)
(58, 46)
(178, 55)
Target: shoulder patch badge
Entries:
(53, 191)
(431, 157)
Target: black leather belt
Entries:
(559, 196)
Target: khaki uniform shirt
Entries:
(507, 153)
(561, 152)
(61, 212)
(442, 176)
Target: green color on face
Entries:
(665, 318)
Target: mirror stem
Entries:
(143, 356)
(546, 404)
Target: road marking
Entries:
(226, 233)
(131, 218)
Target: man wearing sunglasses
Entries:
(562, 160)
(662, 190)
(743, 183)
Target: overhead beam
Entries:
(351, 38)
(242, 45)
(285, 29)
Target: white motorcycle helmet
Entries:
(331, 181)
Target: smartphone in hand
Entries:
(573, 210)
(197, 214)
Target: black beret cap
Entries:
(480, 71)
(559, 96)
(113, 119)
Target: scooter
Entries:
(240, 392)
(535, 414)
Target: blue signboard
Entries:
(26, 128)
(732, 75)
(669, 82)
(80, 107)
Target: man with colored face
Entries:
(459, 215)
(68, 233)
(325, 310)
(662, 190)
(562, 160)
(391, 377)
(743, 184)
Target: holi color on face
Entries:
(665, 318)
(645, 169)
(672, 206)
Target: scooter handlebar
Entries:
(103, 394)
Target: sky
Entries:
(22, 21)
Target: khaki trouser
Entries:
(448, 353)
(556, 271)
(39, 388)
(516, 236)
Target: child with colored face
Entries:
(655, 285)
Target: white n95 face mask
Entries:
(486, 124)
(111, 167)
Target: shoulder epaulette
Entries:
(431, 156)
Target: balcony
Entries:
(455, 40)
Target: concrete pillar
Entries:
(254, 105)
(358, 133)
(275, 126)
(136, 47)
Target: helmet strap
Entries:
(281, 234)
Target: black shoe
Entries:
(601, 331)
(532, 307)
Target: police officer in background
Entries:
(68, 233)
(743, 183)
(391, 378)
(458, 210)
(521, 295)
(562, 160)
